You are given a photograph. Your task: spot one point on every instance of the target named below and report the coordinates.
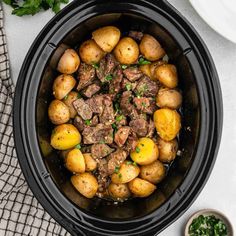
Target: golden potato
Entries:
(167, 122)
(153, 67)
(126, 51)
(169, 98)
(141, 188)
(90, 163)
(69, 62)
(106, 37)
(58, 112)
(145, 69)
(45, 146)
(75, 162)
(86, 184)
(62, 85)
(65, 136)
(90, 52)
(119, 191)
(126, 173)
(153, 173)
(150, 48)
(167, 150)
(145, 152)
(68, 100)
(167, 75)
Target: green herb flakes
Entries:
(88, 122)
(108, 78)
(142, 61)
(120, 175)
(124, 67)
(78, 146)
(129, 163)
(119, 118)
(79, 95)
(128, 87)
(95, 65)
(117, 168)
(137, 149)
(65, 97)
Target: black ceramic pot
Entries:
(199, 139)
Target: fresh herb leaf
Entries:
(65, 97)
(101, 141)
(124, 67)
(144, 104)
(78, 146)
(120, 175)
(129, 163)
(135, 164)
(114, 126)
(88, 122)
(128, 87)
(108, 78)
(142, 61)
(117, 106)
(79, 95)
(95, 65)
(119, 118)
(137, 149)
(117, 168)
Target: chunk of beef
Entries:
(144, 104)
(79, 123)
(102, 176)
(108, 114)
(133, 73)
(127, 85)
(96, 104)
(86, 75)
(121, 120)
(91, 90)
(115, 83)
(83, 109)
(151, 129)
(132, 142)
(146, 87)
(126, 106)
(115, 159)
(106, 67)
(100, 150)
(94, 121)
(136, 35)
(139, 126)
(99, 134)
(121, 135)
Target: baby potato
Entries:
(106, 37)
(126, 51)
(90, 52)
(69, 62)
(153, 173)
(62, 85)
(167, 75)
(119, 191)
(68, 100)
(75, 161)
(85, 183)
(145, 152)
(151, 48)
(65, 136)
(90, 163)
(58, 112)
(153, 67)
(45, 146)
(126, 173)
(145, 69)
(167, 150)
(169, 98)
(167, 123)
(141, 188)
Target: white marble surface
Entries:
(220, 190)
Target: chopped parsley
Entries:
(108, 78)
(144, 104)
(114, 126)
(78, 146)
(79, 95)
(95, 65)
(101, 141)
(129, 163)
(134, 163)
(124, 67)
(117, 106)
(128, 87)
(119, 118)
(66, 97)
(88, 122)
(137, 149)
(143, 61)
(117, 168)
(120, 175)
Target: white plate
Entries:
(219, 14)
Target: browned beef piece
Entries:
(86, 75)
(96, 104)
(79, 123)
(144, 104)
(121, 135)
(108, 114)
(136, 35)
(106, 67)
(94, 121)
(132, 142)
(100, 150)
(151, 129)
(83, 109)
(121, 120)
(139, 126)
(126, 106)
(115, 83)
(115, 159)
(127, 85)
(133, 73)
(91, 90)
(146, 87)
(99, 134)
(102, 176)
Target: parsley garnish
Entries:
(117, 168)
(66, 97)
(108, 77)
(129, 162)
(144, 104)
(95, 65)
(142, 61)
(119, 118)
(124, 67)
(137, 149)
(114, 126)
(79, 95)
(78, 146)
(87, 122)
(120, 175)
(128, 87)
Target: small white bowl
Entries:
(207, 212)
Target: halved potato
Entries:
(153, 67)
(90, 163)
(68, 100)
(145, 152)
(106, 37)
(75, 162)
(65, 136)
(146, 70)
(119, 191)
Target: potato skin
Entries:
(64, 137)
(141, 188)
(167, 122)
(90, 163)
(169, 98)
(153, 67)
(151, 48)
(106, 37)
(90, 52)
(127, 51)
(69, 62)
(58, 112)
(119, 191)
(126, 173)
(62, 85)
(68, 100)
(145, 152)
(167, 150)
(146, 70)
(167, 75)
(75, 161)
(85, 183)
(153, 173)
